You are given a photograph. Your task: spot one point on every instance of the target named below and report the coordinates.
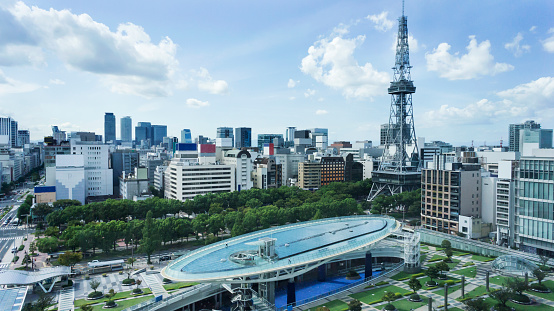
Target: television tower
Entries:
(400, 166)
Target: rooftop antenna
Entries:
(402, 7)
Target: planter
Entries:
(415, 298)
(130, 284)
(96, 298)
(353, 277)
(428, 283)
(521, 300)
(540, 290)
(110, 306)
(137, 293)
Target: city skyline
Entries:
(309, 64)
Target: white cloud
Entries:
(533, 28)
(9, 85)
(57, 81)
(515, 47)
(321, 112)
(530, 100)
(309, 93)
(292, 98)
(548, 43)
(292, 83)
(331, 62)
(477, 62)
(207, 84)
(382, 23)
(195, 103)
(125, 59)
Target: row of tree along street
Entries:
(151, 222)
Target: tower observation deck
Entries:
(400, 166)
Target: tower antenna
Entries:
(402, 7)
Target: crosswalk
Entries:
(8, 228)
(4, 266)
(11, 238)
(65, 299)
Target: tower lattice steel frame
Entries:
(400, 167)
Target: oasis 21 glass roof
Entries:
(291, 246)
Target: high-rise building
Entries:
(514, 133)
(124, 160)
(243, 137)
(5, 131)
(143, 132)
(98, 174)
(530, 139)
(332, 170)
(309, 174)
(289, 142)
(225, 132)
(58, 135)
(400, 167)
(158, 134)
(126, 129)
(13, 133)
(109, 127)
(267, 139)
(534, 203)
(186, 136)
(23, 137)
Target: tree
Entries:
(32, 247)
(150, 241)
(414, 284)
(517, 285)
(27, 260)
(48, 245)
(70, 258)
(501, 296)
(389, 297)
(448, 252)
(433, 273)
(86, 308)
(94, 284)
(446, 244)
(355, 305)
(539, 274)
(476, 304)
(41, 304)
(442, 267)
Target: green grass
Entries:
(402, 275)
(178, 285)
(426, 248)
(437, 257)
(406, 305)
(454, 309)
(469, 272)
(370, 296)
(123, 304)
(451, 289)
(469, 263)
(425, 279)
(476, 292)
(459, 253)
(453, 264)
(539, 307)
(549, 296)
(498, 280)
(481, 258)
(121, 295)
(422, 258)
(335, 305)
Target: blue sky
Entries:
(477, 65)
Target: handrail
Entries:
(152, 304)
(340, 289)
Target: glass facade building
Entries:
(126, 129)
(243, 136)
(109, 127)
(535, 205)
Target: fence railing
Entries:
(341, 289)
(152, 304)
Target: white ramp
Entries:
(65, 299)
(154, 284)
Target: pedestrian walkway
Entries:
(154, 284)
(66, 299)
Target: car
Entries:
(14, 250)
(165, 257)
(95, 260)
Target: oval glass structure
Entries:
(514, 265)
(280, 248)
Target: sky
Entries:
(478, 65)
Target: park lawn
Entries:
(436, 257)
(451, 289)
(422, 258)
(476, 292)
(459, 253)
(481, 258)
(549, 296)
(124, 304)
(370, 296)
(453, 264)
(454, 309)
(537, 307)
(424, 248)
(469, 272)
(178, 285)
(406, 305)
(334, 305)
(401, 275)
(425, 279)
(120, 295)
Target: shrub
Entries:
(390, 307)
(166, 280)
(95, 295)
(539, 287)
(151, 267)
(87, 277)
(120, 272)
(21, 247)
(137, 291)
(352, 274)
(16, 258)
(381, 283)
(128, 281)
(110, 303)
(398, 295)
(520, 298)
(104, 274)
(414, 297)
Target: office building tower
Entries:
(126, 129)
(530, 139)
(58, 135)
(534, 203)
(225, 132)
(13, 133)
(243, 137)
(266, 174)
(71, 182)
(5, 131)
(109, 127)
(23, 138)
(98, 174)
(514, 133)
(123, 160)
(158, 133)
(143, 132)
(267, 139)
(289, 142)
(332, 170)
(309, 174)
(241, 160)
(186, 136)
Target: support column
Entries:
(463, 286)
(445, 297)
(487, 280)
(430, 304)
(291, 292)
(322, 273)
(368, 265)
(526, 278)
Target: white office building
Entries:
(70, 177)
(241, 160)
(98, 174)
